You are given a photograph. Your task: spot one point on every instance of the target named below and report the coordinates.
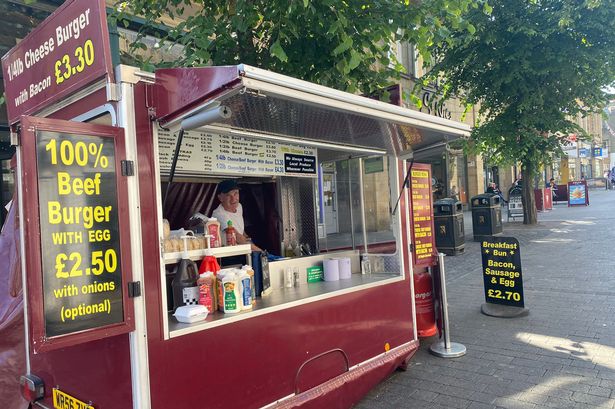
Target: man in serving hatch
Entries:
(230, 209)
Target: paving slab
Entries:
(562, 355)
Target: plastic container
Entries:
(231, 236)
(209, 263)
(185, 290)
(250, 271)
(212, 228)
(206, 283)
(331, 267)
(245, 289)
(344, 268)
(189, 314)
(231, 298)
(219, 289)
(366, 266)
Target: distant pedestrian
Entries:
(612, 177)
(553, 187)
(494, 189)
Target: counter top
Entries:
(283, 298)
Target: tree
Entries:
(348, 45)
(532, 65)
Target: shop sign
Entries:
(502, 277)
(424, 246)
(431, 105)
(79, 232)
(597, 152)
(577, 193)
(584, 153)
(66, 52)
(209, 153)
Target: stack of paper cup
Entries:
(344, 267)
(331, 269)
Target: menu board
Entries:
(422, 215)
(210, 153)
(577, 193)
(79, 231)
(63, 54)
(502, 278)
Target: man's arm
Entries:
(243, 239)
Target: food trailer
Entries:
(323, 177)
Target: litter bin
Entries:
(448, 223)
(486, 216)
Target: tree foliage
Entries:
(532, 66)
(348, 45)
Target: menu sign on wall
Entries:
(67, 51)
(209, 153)
(79, 232)
(502, 278)
(422, 215)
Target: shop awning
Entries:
(270, 104)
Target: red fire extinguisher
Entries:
(424, 305)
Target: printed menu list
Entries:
(205, 152)
(422, 215)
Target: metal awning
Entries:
(273, 105)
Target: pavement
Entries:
(561, 355)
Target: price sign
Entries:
(502, 276)
(80, 244)
(422, 215)
(208, 153)
(66, 52)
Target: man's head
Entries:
(228, 195)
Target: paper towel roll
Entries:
(344, 268)
(331, 269)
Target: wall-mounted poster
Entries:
(578, 194)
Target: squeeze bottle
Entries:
(245, 290)
(207, 297)
(231, 237)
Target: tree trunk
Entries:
(529, 201)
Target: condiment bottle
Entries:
(245, 289)
(250, 273)
(209, 263)
(230, 293)
(207, 298)
(366, 267)
(231, 237)
(212, 227)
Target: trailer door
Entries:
(76, 263)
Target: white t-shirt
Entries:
(224, 216)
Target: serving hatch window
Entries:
(354, 204)
(310, 204)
